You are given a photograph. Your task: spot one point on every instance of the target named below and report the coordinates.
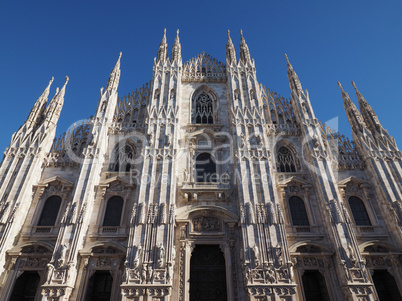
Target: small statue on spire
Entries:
(162, 51)
(244, 52)
(176, 49)
(230, 50)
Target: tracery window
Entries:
(123, 158)
(359, 211)
(298, 211)
(50, 211)
(206, 168)
(204, 109)
(113, 212)
(286, 160)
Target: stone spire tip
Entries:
(354, 86)
(340, 86)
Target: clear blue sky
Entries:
(326, 41)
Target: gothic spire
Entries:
(353, 114)
(294, 82)
(176, 49)
(113, 81)
(162, 51)
(230, 50)
(367, 111)
(53, 110)
(244, 52)
(39, 106)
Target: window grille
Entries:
(286, 161)
(204, 109)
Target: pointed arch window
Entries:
(298, 211)
(113, 212)
(206, 168)
(359, 211)
(123, 158)
(204, 112)
(50, 211)
(286, 160)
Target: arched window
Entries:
(206, 168)
(123, 159)
(99, 286)
(204, 112)
(50, 211)
(26, 286)
(286, 161)
(298, 212)
(386, 286)
(359, 211)
(314, 286)
(113, 212)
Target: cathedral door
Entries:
(314, 286)
(99, 286)
(25, 287)
(386, 286)
(207, 274)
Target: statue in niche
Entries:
(70, 266)
(256, 254)
(137, 255)
(278, 252)
(236, 95)
(270, 275)
(62, 255)
(126, 271)
(143, 274)
(169, 272)
(258, 140)
(351, 254)
(243, 141)
(168, 140)
(252, 94)
(160, 255)
(49, 273)
(185, 175)
(150, 137)
(149, 273)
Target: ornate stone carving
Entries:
(206, 224)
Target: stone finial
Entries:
(230, 51)
(162, 51)
(244, 51)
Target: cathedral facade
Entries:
(201, 185)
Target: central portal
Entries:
(207, 274)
